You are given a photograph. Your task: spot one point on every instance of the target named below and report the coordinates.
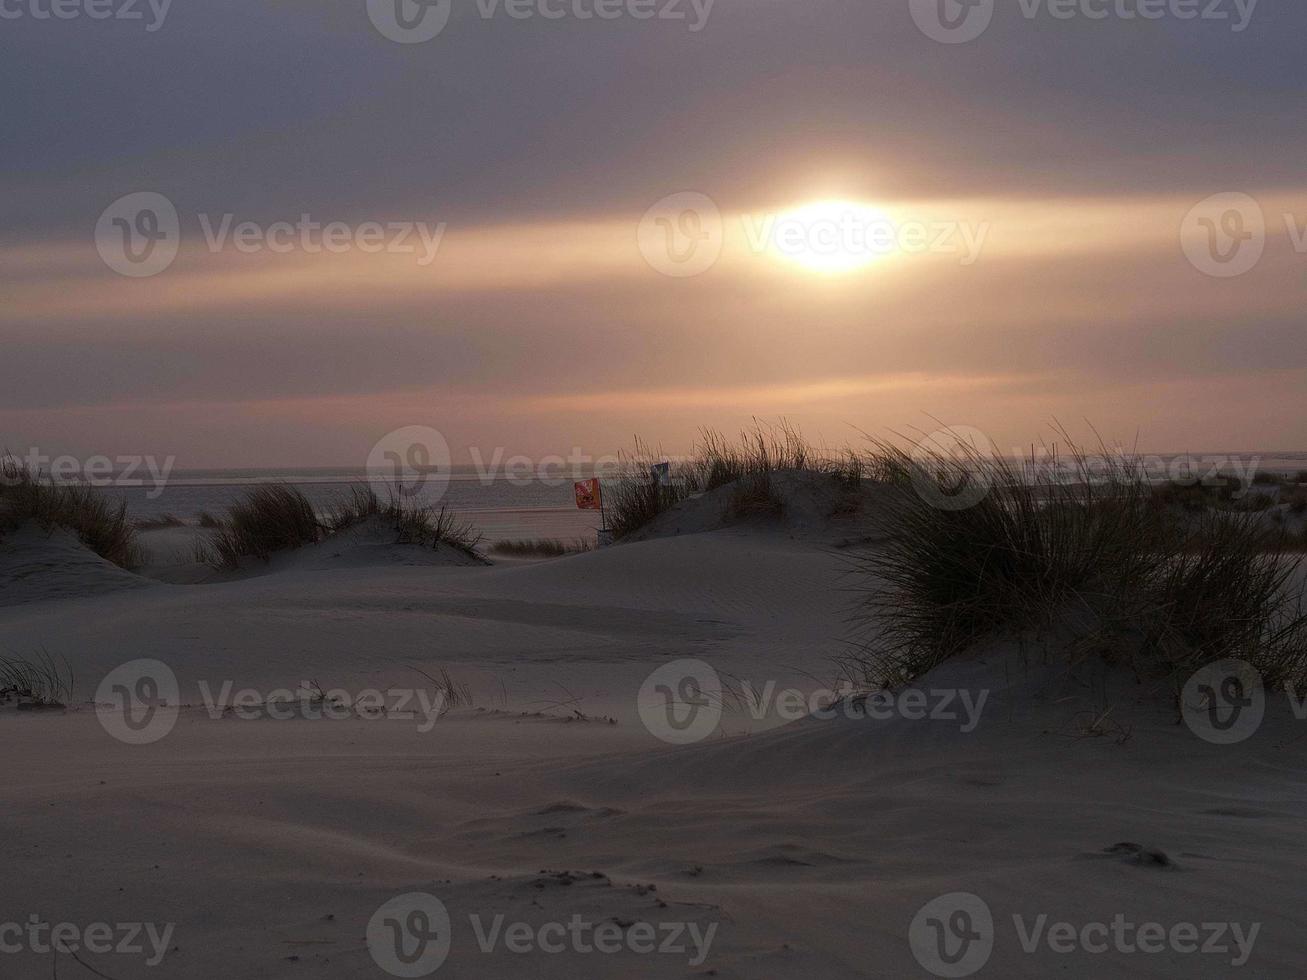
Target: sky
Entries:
(553, 230)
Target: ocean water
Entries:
(500, 507)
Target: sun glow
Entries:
(833, 237)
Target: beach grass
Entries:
(977, 549)
(746, 465)
(39, 682)
(540, 547)
(412, 523)
(277, 517)
(269, 518)
(452, 694)
(98, 521)
(634, 498)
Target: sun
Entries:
(832, 237)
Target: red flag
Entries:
(588, 495)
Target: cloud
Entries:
(1079, 144)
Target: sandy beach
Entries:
(553, 802)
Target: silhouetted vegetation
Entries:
(98, 521)
(977, 549)
(540, 548)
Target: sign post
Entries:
(590, 496)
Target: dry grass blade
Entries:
(41, 682)
(451, 694)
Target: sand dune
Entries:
(770, 849)
(37, 565)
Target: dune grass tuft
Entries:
(41, 682)
(272, 517)
(540, 548)
(275, 517)
(1224, 589)
(746, 465)
(758, 453)
(635, 498)
(977, 548)
(98, 521)
(451, 694)
(412, 523)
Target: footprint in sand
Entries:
(1137, 854)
